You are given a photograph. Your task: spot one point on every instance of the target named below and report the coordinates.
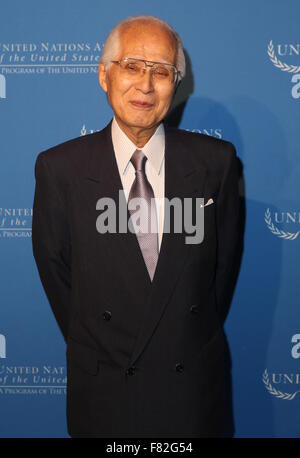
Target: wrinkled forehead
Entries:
(149, 41)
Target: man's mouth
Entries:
(141, 105)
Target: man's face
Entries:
(141, 101)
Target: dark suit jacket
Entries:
(143, 359)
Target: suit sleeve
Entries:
(51, 242)
(228, 228)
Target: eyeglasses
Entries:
(137, 67)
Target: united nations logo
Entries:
(280, 379)
(278, 63)
(282, 217)
(84, 131)
(286, 50)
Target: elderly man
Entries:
(141, 311)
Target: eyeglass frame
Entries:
(177, 72)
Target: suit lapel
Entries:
(103, 172)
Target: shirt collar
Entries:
(124, 148)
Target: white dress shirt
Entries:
(154, 149)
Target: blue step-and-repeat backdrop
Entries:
(243, 85)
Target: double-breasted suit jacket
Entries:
(144, 359)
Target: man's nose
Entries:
(145, 82)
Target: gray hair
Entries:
(112, 43)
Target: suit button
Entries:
(179, 367)
(131, 370)
(106, 315)
(194, 309)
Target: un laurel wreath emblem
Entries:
(277, 393)
(282, 234)
(281, 65)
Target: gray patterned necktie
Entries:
(141, 188)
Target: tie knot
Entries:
(138, 160)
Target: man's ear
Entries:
(102, 76)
